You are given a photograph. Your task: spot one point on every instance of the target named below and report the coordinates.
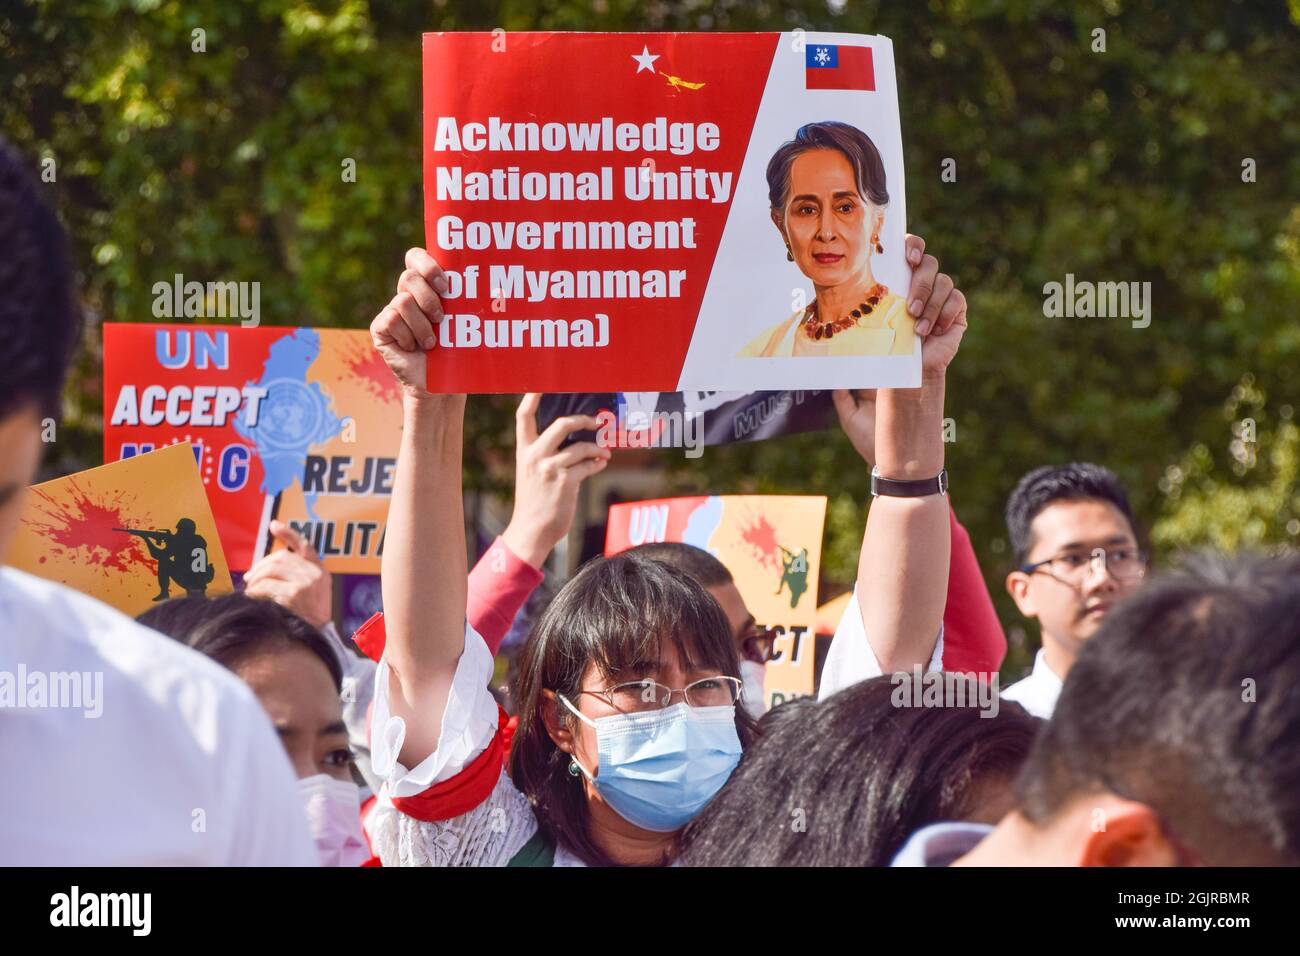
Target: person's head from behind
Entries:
(1076, 552)
(627, 721)
(40, 327)
(845, 781)
(1176, 739)
(288, 664)
(753, 644)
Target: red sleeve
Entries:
(973, 641)
(460, 794)
(498, 587)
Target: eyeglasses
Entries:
(1072, 568)
(759, 644)
(638, 696)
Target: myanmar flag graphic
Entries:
(829, 67)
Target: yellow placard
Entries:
(126, 533)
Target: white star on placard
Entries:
(645, 60)
(821, 56)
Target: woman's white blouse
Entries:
(488, 835)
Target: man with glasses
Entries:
(1077, 554)
(1174, 742)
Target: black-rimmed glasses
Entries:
(1123, 563)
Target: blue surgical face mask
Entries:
(659, 768)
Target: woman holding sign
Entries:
(827, 192)
(628, 724)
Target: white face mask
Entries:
(753, 699)
(334, 816)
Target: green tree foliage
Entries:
(1242, 494)
(1117, 165)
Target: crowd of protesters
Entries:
(1164, 705)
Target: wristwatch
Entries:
(917, 488)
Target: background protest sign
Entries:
(772, 546)
(296, 423)
(127, 533)
(692, 419)
(601, 205)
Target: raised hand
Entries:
(938, 307)
(547, 478)
(294, 577)
(406, 328)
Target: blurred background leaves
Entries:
(1123, 165)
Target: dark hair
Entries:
(1185, 699)
(40, 323)
(855, 145)
(696, 562)
(614, 615)
(234, 627)
(865, 772)
(1079, 481)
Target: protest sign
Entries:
(296, 423)
(690, 420)
(129, 533)
(666, 212)
(772, 546)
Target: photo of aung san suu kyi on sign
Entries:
(828, 195)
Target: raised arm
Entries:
(903, 566)
(424, 565)
(902, 584)
(973, 641)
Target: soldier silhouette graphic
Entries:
(182, 558)
(794, 573)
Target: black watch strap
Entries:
(916, 488)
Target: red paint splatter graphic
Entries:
(81, 530)
(369, 367)
(761, 536)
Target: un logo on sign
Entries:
(291, 417)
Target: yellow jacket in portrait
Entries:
(887, 331)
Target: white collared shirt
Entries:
(1038, 692)
(122, 747)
